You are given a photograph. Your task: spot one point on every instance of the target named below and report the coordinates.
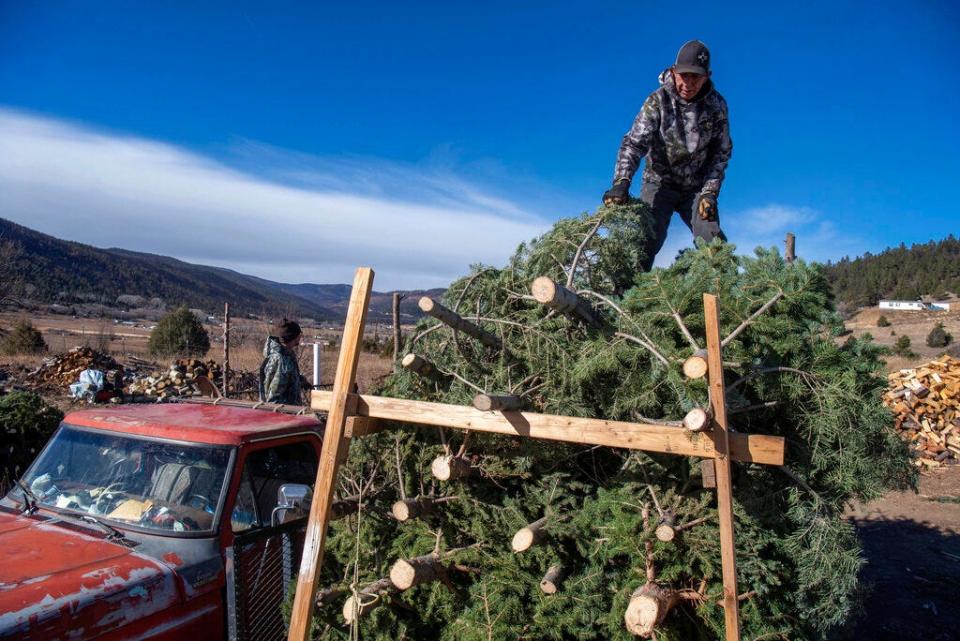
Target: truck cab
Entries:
(156, 522)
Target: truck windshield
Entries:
(150, 484)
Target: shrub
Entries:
(938, 336)
(26, 422)
(902, 347)
(883, 322)
(179, 334)
(23, 339)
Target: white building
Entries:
(903, 305)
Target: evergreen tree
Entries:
(24, 338)
(787, 375)
(180, 334)
(938, 336)
(883, 322)
(26, 423)
(902, 347)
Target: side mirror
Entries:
(291, 497)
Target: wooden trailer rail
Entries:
(353, 415)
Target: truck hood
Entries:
(58, 583)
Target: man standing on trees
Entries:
(683, 132)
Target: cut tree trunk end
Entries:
(648, 607)
(667, 528)
(366, 600)
(449, 468)
(552, 580)
(497, 403)
(696, 365)
(457, 322)
(528, 536)
(412, 508)
(409, 573)
(557, 297)
(422, 367)
(698, 419)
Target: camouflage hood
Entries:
(279, 374)
(686, 143)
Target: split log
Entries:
(698, 419)
(457, 322)
(696, 365)
(557, 297)
(497, 402)
(648, 607)
(551, 581)
(409, 573)
(366, 600)
(528, 536)
(422, 367)
(448, 467)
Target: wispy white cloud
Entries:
(766, 226)
(269, 212)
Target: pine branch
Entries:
(576, 256)
(749, 321)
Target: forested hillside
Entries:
(928, 269)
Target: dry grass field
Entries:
(915, 325)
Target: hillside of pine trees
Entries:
(904, 273)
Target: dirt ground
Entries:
(911, 578)
(915, 325)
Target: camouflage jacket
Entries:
(686, 143)
(279, 374)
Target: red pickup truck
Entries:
(158, 522)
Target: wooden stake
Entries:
(226, 348)
(457, 322)
(696, 366)
(396, 326)
(335, 448)
(728, 552)
(551, 581)
(497, 403)
(557, 297)
(791, 243)
(698, 419)
(406, 574)
(422, 367)
(448, 468)
(527, 537)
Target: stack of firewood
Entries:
(182, 379)
(926, 402)
(60, 371)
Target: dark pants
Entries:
(663, 201)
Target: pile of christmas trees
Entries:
(478, 536)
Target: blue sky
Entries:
(297, 140)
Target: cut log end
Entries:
(544, 290)
(426, 304)
(697, 420)
(648, 607)
(550, 583)
(401, 511)
(403, 574)
(696, 366)
(528, 536)
(496, 403)
(666, 532)
(406, 574)
(449, 468)
(357, 606)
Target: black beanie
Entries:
(288, 330)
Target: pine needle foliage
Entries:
(179, 333)
(24, 338)
(788, 374)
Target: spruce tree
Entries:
(595, 510)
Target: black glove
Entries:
(618, 194)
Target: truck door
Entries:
(266, 550)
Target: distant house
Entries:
(903, 305)
(914, 306)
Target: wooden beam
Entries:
(753, 448)
(336, 444)
(449, 317)
(728, 550)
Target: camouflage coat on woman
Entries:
(686, 143)
(279, 374)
